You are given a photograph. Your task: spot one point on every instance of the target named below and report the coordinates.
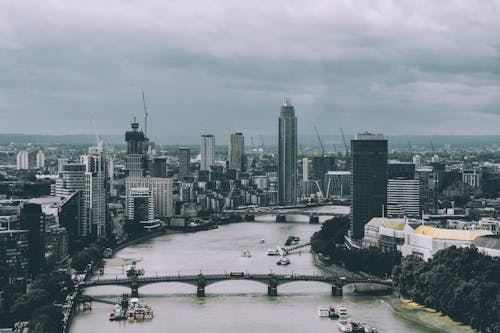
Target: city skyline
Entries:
(427, 69)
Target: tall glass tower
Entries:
(287, 164)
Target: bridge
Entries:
(200, 281)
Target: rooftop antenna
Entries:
(146, 114)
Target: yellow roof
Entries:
(391, 223)
(452, 234)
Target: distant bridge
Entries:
(200, 281)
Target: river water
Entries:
(232, 306)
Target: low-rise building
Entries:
(384, 233)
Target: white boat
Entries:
(324, 311)
(283, 261)
(333, 311)
(272, 252)
(345, 326)
(342, 311)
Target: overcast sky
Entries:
(219, 66)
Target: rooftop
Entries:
(391, 223)
(451, 234)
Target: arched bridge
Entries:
(200, 281)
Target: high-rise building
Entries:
(400, 170)
(40, 160)
(287, 155)
(320, 166)
(31, 219)
(140, 204)
(95, 189)
(427, 177)
(184, 162)
(207, 151)
(305, 169)
(403, 197)
(158, 167)
(14, 254)
(22, 160)
(72, 179)
(136, 151)
(369, 180)
(236, 151)
(161, 189)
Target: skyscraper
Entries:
(184, 162)
(369, 180)
(31, 219)
(136, 151)
(287, 155)
(22, 160)
(207, 151)
(236, 151)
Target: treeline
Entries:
(459, 282)
(38, 305)
(329, 242)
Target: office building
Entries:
(158, 167)
(338, 184)
(14, 254)
(207, 151)
(184, 162)
(400, 170)
(369, 180)
(140, 204)
(428, 183)
(22, 160)
(236, 151)
(40, 160)
(287, 155)
(403, 198)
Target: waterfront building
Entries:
(207, 152)
(384, 233)
(140, 204)
(184, 162)
(425, 241)
(70, 214)
(22, 160)
(287, 155)
(162, 192)
(40, 160)
(236, 151)
(369, 180)
(403, 198)
(14, 254)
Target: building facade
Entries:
(207, 151)
(22, 160)
(369, 180)
(184, 162)
(403, 198)
(236, 151)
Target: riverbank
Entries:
(425, 316)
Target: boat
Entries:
(139, 310)
(333, 312)
(324, 311)
(262, 241)
(368, 329)
(345, 326)
(283, 261)
(246, 254)
(356, 327)
(342, 311)
(272, 252)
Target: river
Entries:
(231, 306)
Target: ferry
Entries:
(345, 326)
(283, 261)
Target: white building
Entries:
(384, 233)
(403, 197)
(425, 241)
(162, 191)
(22, 160)
(95, 189)
(40, 160)
(207, 152)
(305, 169)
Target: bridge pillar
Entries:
(134, 289)
(200, 290)
(337, 290)
(272, 290)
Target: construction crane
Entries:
(146, 114)
(302, 151)
(347, 157)
(320, 143)
(345, 142)
(262, 143)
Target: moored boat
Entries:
(342, 311)
(345, 326)
(283, 261)
(272, 252)
(323, 311)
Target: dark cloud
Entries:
(220, 66)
